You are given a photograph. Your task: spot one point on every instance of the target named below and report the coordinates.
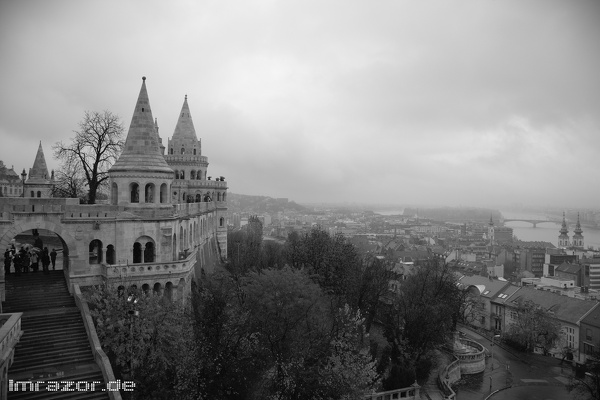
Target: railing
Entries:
(186, 158)
(70, 211)
(99, 355)
(148, 269)
(10, 334)
(447, 376)
(411, 392)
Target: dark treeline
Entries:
(307, 319)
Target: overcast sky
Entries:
(476, 103)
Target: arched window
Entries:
(221, 221)
(219, 196)
(182, 174)
(149, 193)
(163, 193)
(194, 151)
(193, 174)
(174, 247)
(181, 238)
(182, 150)
(224, 194)
(137, 253)
(32, 194)
(114, 194)
(149, 252)
(169, 291)
(145, 288)
(95, 252)
(135, 193)
(176, 174)
(157, 290)
(171, 150)
(39, 194)
(198, 198)
(110, 254)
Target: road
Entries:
(530, 376)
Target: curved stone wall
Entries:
(472, 361)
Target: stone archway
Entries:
(69, 244)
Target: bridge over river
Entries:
(534, 222)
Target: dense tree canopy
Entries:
(150, 344)
(421, 315)
(534, 328)
(274, 334)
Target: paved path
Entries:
(527, 372)
(430, 390)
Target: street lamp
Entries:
(495, 336)
(132, 300)
(23, 176)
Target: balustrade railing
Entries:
(411, 392)
(138, 270)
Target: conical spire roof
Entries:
(578, 231)
(142, 150)
(39, 172)
(184, 130)
(563, 229)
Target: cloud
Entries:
(464, 103)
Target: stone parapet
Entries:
(10, 334)
(134, 272)
(174, 158)
(99, 355)
(473, 360)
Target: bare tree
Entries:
(93, 150)
(69, 182)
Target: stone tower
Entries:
(141, 176)
(184, 155)
(578, 237)
(192, 185)
(563, 238)
(491, 230)
(39, 183)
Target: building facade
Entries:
(147, 236)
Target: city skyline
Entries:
(475, 104)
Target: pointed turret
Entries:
(142, 148)
(563, 238)
(578, 237)
(39, 183)
(184, 130)
(39, 172)
(141, 175)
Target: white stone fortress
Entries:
(165, 223)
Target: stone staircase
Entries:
(54, 346)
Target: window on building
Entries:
(588, 348)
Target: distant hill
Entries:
(262, 204)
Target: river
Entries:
(548, 231)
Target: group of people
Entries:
(27, 259)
